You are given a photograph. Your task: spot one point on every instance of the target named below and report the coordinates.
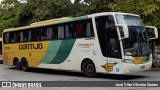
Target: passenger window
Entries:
(6, 37)
(67, 31)
(17, 36)
(79, 32)
(49, 33)
(70, 31)
(84, 28)
(25, 36)
(12, 37)
(35, 34)
(60, 32)
(43, 32)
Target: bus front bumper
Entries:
(131, 68)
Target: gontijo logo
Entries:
(30, 46)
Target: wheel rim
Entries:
(90, 68)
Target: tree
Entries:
(147, 9)
(8, 11)
(38, 10)
(91, 6)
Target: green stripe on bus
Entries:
(63, 52)
(51, 51)
(58, 51)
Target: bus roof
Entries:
(113, 13)
(64, 19)
(47, 23)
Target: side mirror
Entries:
(155, 32)
(123, 30)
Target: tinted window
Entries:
(76, 29)
(104, 24)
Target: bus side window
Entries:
(79, 32)
(35, 34)
(88, 29)
(49, 33)
(60, 32)
(84, 28)
(54, 32)
(26, 35)
(43, 34)
(30, 36)
(6, 37)
(72, 32)
(69, 31)
(17, 36)
(12, 37)
(21, 36)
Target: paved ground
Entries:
(10, 74)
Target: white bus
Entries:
(109, 42)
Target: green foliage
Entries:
(38, 10)
(8, 12)
(147, 9)
(14, 13)
(141, 7)
(91, 6)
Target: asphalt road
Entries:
(8, 73)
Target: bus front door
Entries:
(113, 52)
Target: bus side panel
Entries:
(84, 49)
(32, 51)
(57, 53)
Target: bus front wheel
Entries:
(24, 65)
(88, 68)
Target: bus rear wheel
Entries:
(24, 65)
(88, 68)
(17, 65)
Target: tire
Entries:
(17, 65)
(88, 68)
(24, 65)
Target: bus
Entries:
(1, 59)
(107, 42)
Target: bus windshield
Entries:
(136, 44)
(129, 20)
